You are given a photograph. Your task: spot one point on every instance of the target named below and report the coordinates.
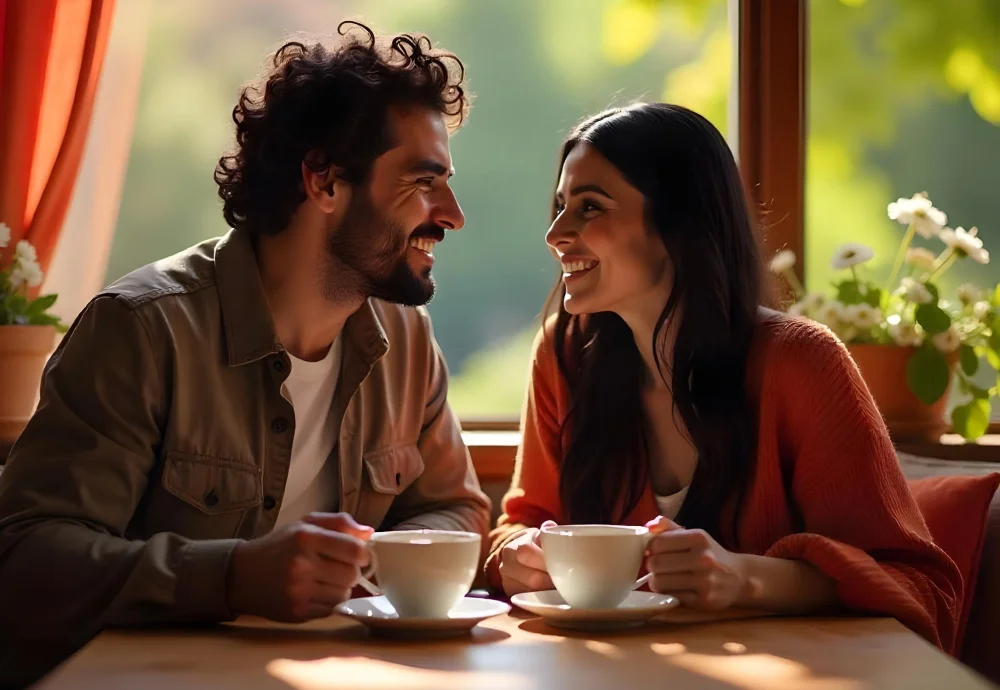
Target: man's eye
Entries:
(425, 181)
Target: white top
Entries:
(670, 505)
(313, 483)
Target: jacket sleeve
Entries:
(533, 496)
(71, 486)
(861, 525)
(447, 495)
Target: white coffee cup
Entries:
(423, 573)
(594, 566)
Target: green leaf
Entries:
(40, 305)
(996, 295)
(42, 319)
(979, 393)
(927, 374)
(848, 292)
(933, 318)
(970, 362)
(993, 358)
(873, 297)
(972, 419)
(932, 288)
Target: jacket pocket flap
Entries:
(392, 470)
(212, 485)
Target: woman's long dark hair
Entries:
(695, 201)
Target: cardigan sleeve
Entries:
(533, 496)
(861, 526)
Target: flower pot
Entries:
(908, 419)
(23, 353)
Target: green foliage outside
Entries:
(904, 96)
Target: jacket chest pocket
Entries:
(390, 472)
(209, 495)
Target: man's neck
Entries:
(306, 318)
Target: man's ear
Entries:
(320, 187)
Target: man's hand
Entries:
(522, 565)
(298, 572)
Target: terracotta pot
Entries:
(24, 350)
(884, 370)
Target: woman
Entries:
(663, 393)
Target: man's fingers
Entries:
(334, 546)
(330, 573)
(339, 522)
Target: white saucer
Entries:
(381, 618)
(637, 608)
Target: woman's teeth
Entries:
(577, 266)
(423, 245)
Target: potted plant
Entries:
(27, 335)
(910, 341)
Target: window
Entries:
(904, 97)
(535, 69)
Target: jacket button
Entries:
(279, 425)
(269, 502)
(279, 365)
(211, 498)
(398, 478)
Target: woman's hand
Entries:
(690, 565)
(522, 565)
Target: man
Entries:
(219, 432)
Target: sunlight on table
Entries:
(759, 671)
(360, 672)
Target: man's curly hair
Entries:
(328, 106)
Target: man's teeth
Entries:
(577, 266)
(423, 245)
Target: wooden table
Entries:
(518, 652)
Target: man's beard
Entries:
(374, 248)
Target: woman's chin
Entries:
(575, 305)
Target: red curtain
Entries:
(50, 62)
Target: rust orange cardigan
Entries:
(823, 452)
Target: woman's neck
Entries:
(642, 318)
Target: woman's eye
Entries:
(588, 207)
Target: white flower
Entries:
(25, 252)
(948, 341)
(783, 261)
(797, 309)
(4, 235)
(846, 333)
(969, 293)
(966, 243)
(865, 316)
(981, 310)
(814, 300)
(927, 220)
(905, 333)
(831, 313)
(921, 258)
(26, 272)
(914, 292)
(851, 254)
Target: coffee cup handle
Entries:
(364, 576)
(648, 576)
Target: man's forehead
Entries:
(418, 134)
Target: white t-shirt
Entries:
(313, 483)
(670, 506)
